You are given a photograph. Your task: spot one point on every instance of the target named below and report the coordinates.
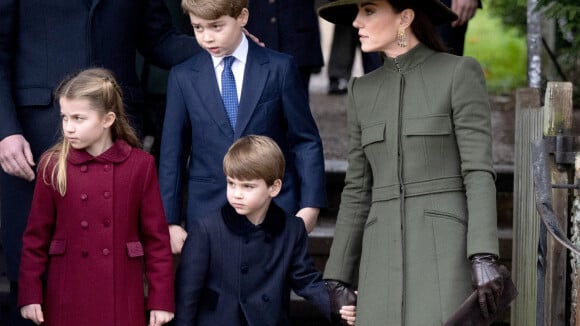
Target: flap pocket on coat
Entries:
(57, 247)
(435, 125)
(372, 133)
(134, 249)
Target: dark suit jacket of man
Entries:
(232, 270)
(41, 42)
(288, 26)
(197, 131)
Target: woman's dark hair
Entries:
(422, 26)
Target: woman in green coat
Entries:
(417, 219)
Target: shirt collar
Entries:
(240, 53)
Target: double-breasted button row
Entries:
(85, 169)
(85, 224)
(106, 252)
(106, 195)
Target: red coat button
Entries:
(84, 168)
(107, 223)
(84, 197)
(85, 253)
(84, 224)
(106, 252)
(107, 167)
(107, 194)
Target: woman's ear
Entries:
(275, 188)
(109, 119)
(407, 17)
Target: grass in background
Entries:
(500, 50)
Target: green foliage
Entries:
(501, 51)
(512, 12)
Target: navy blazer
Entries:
(41, 42)
(288, 26)
(197, 130)
(231, 268)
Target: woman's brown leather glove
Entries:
(340, 295)
(488, 282)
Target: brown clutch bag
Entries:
(469, 313)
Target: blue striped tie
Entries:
(229, 93)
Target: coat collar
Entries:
(410, 60)
(117, 153)
(273, 222)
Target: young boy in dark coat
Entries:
(232, 89)
(239, 263)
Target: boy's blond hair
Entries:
(255, 157)
(214, 9)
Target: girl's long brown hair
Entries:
(99, 87)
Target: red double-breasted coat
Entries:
(96, 242)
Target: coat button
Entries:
(273, 20)
(244, 269)
(84, 224)
(107, 167)
(107, 194)
(84, 168)
(107, 222)
(106, 252)
(265, 298)
(84, 197)
(85, 254)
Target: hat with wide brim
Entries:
(343, 12)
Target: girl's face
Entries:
(84, 127)
(220, 37)
(377, 25)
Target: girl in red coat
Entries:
(96, 223)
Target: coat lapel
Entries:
(210, 96)
(255, 77)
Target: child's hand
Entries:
(348, 313)
(159, 317)
(177, 235)
(32, 312)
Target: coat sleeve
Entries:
(191, 274)
(472, 126)
(303, 140)
(36, 241)
(306, 280)
(155, 238)
(160, 41)
(175, 150)
(9, 124)
(354, 204)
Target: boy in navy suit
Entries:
(232, 89)
(239, 263)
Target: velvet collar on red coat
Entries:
(117, 153)
(273, 223)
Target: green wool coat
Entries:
(419, 197)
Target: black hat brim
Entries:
(343, 12)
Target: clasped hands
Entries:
(342, 303)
